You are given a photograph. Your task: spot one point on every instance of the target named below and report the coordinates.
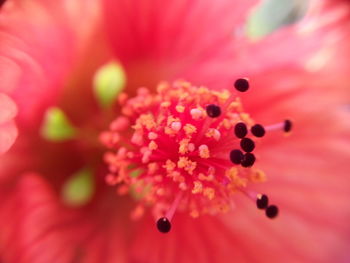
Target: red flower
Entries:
(49, 53)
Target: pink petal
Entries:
(8, 135)
(158, 40)
(8, 109)
(37, 228)
(39, 42)
(8, 130)
(26, 215)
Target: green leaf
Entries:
(109, 81)
(56, 126)
(79, 188)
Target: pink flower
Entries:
(300, 72)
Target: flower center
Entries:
(185, 148)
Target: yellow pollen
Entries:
(257, 176)
(172, 119)
(223, 96)
(213, 133)
(236, 180)
(246, 118)
(180, 108)
(153, 145)
(226, 123)
(183, 146)
(165, 104)
(197, 188)
(169, 166)
(204, 151)
(169, 131)
(162, 87)
(203, 177)
(147, 120)
(190, 129)
(186, 164)
(209, 193)
(177, 177)
(232, 173)
(235, 106)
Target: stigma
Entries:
(186, 148)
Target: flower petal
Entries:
(8, 135)
(39, 229)
(8, 109)
(158, 40)
(39, 42)
(8, 130)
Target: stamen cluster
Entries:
(183, 141)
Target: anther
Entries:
(287, 126)
(271, 211)
(248, 160)
(163, 225)
(213, 111)
(241, 85)
(262, 201)
(240, 130)
(236, 156)
(258, 130)
(247, 145)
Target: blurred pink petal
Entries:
(161, 39)
(43, 230)
(39, 43)
(8, 130)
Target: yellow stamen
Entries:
(180, 108)
(169, 166)
(197, 188)
(190, 129)
(209, 193)
(183, 146)
(153, 145)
